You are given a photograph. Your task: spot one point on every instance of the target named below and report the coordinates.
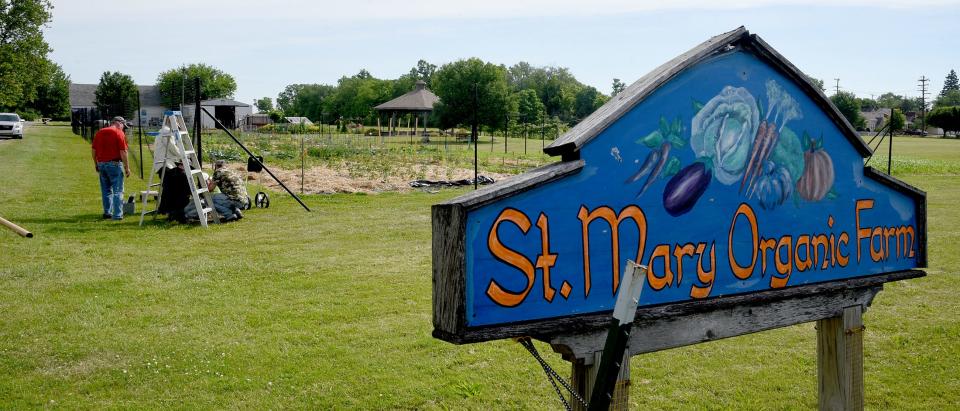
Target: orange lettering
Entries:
(705, 277)
(607, 214)
(821, 240)
(904, 232)
(765, 244)
(805, 263)
(843, 259)
(679, 252)
(657, 282)
(783, 268)
(743, 272)
(545, 260)
(877, 238)
(864, 232)
(513, 258)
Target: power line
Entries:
(838, 85)
(923, 102)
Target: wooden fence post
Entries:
(840, 360)
(583, 377)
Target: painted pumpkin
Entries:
(817, 178)
(774, 187)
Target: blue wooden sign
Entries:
(724, 171)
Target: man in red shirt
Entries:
(109, 153)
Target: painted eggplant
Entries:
(685, 188)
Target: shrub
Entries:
(28, 114)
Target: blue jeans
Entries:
(223, 204)
(111, 188)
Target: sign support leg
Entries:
(583, 377)
(840, 360)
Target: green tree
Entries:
(889, 100)
(469, 88)
(817, 83)
(264, 105)
(558, 93)
(867, 104)
(849, 106)
(116, 95)
(950, 83)
(177, 83)
(425, 71)
(588, 100)
(948, 99)
(897, 121)
(530, 109)
(53, 95)
(909, 104)
(306, 100)
(354, 97)
(363, 75)
(618, 87)
(23, 51)
(520, 76)
(947, 118)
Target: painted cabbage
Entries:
(723, 130)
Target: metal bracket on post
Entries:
(618, 335)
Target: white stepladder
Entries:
(174, 129)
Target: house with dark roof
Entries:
(82, 96)
(874, 119)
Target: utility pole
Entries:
(923, 103)
(838, 86)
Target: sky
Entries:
(872, 47)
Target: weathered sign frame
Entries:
(752, 312)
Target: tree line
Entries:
(30, 84)
(498, 95)
(944, 113)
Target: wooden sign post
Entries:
(730, 176)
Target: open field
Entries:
(331, 309)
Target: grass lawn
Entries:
(331, 309)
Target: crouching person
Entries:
(233, 193)
(232, 196)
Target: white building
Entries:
(229, 112)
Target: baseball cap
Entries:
(122, 121)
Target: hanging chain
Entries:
(552, 375)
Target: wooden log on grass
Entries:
(17, 229)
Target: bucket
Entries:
(129, 207)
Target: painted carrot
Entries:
(771, 142)
(664, 155)
(646, 167)
(761, 133)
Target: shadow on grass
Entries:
(87, 222)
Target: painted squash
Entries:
(817, 178)
(774, 187)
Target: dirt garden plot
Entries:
(348, 178)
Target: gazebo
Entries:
(419, 102)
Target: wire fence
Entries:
(367, 152)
